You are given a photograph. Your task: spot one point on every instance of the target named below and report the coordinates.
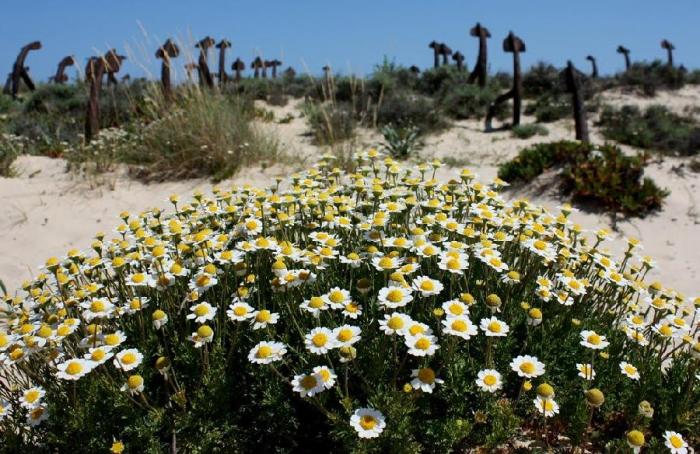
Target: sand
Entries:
(47, 211)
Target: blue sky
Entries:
(350, 36)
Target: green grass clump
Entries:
(528, 131)
(401, 141)
(549, 108)
(330, 122)
(655, 128)
(602, 175)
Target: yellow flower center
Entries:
(528, 368)
(74, 368)
(316, 302)
(345, 334)
(630, 369)
(426, 375)
(395, 323)
(264, 352)
(386, 263)
(427, 286)
(32, 396)
(97, 355)
(319, 339)
(394, 295)
(203, 280)
(593, 339)
(128, 358)
(490, 380)
(112, 339)
(135, 381)
(201, 309)
(138, 278)
(494, 327)
(308, 382)
(336, 296)
(459, 325)
(540, 245)
(97, 306)
(263, 316)
(240, 310)
(368, 422)
(676, 441)
(423, 343)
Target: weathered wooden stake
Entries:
(459, 59)
(668, 45)
(436, 53)
(113, 63)
(481, 67)
(20, 72)
(626, 52)
(257, 64)
(237, 67)
(290, 73)
(514, 45)
(445, 51)
(222, 46)
(166, 52)
(594, 65)
(573, 85)
(273, 64)
(94, 72)
(205, 77)
(191, 68)
(415, 70)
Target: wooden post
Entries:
(191, 68)
(514, 45)
(19, 71)
(205, 77)
(166, 52)
(573, 86)
(459, 60)
(60, 77)
(94, 72)
(445, 51)
(668, 45)
(415, 70)
(222, 46)
(112, 65)
(257, 64)
(237, 67)
(481, 67)
(594, 65)
(626, 52)
(289, 73)
(436, 53)
(274, 64)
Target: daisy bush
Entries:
(378, 311)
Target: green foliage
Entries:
(529, 130)
(549, 108)
(655, 128)
(542, 79)
(650, 77)
(401, 141)
(602, 175)
(11, 146)
(469, 101)
(410, 109)
(330, 122)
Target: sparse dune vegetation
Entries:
(447, 259)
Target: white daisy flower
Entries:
(74, 369)
(394, 297)
(460, 326)
(134, 385)
(307, 384)
(262, 318)
(128, 359)
(202, 336)
(368, 422)
(675, 442)
(629, 370)
(36, 415)
(202, 312)
(455, 308)
(585, 371)
(327, 375)
(319, 340)
(427, 286)
(337, 298)
(493, 327)
(394, 323)
(424, 379)
(99, 355)
(267, 352)
(592, 340)
(489, 380)
(97, 308)
(346, 335)
(31, 398)
(314, 305)
(547, 407)
(527, 366)
(421, 345)
(240, 311)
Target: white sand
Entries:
(48, 211)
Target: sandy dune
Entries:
(46, 211)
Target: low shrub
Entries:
(542, 79)
(647, 78)
(409, 109)
(654, 128)
(11, 146)
(602, 175)
(549, 108)
(401, 141)
(329, 122)
(469, 101)
(379, 311)
(528, 131)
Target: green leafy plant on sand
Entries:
(654, 128)
(599, 174)
(378, 311)
(529, 130)
(401, 141)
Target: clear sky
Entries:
(351, 36)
